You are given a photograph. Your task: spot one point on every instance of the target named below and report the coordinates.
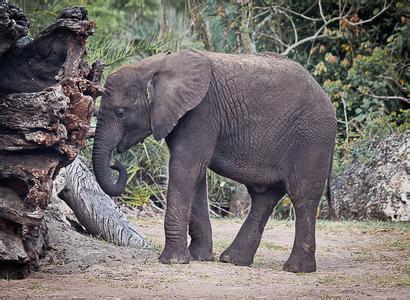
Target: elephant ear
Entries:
(179, 85)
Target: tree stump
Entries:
(47, 93)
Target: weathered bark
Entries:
(95, 210)
(46, 103)
(55, 54)
(13, 25)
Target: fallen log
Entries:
(95, 210)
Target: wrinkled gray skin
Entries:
(261, 120)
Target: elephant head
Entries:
(149, 97)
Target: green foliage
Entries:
(377, 126)
(147, 172)
(284, 210)
(220, 189)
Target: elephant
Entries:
(261, 120)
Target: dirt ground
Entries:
(355, 260)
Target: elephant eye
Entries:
(119, 112)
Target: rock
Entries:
(240, 201)
(375, 186)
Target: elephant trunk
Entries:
(105, 141)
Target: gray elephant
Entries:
(261, 120)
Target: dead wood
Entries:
(13, 26)
(47, 93)
(95, 210)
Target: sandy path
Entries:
(355, 259)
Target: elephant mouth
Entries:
(122, 148)
(127, 142)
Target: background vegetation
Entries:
(357, 50)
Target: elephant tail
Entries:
(332, 214)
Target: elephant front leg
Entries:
(183, 182)
(200, 229)
(176, 222)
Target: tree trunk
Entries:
(199, 24)
(47, 94)
(95, 210)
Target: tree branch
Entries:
(327, 22)
(297, 14)
(258, 27)
(346, 122)
(321, 11)
(405, 100)
(310, 38)
(295, 32)
(274, 38)
(372, 18)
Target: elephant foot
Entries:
(200, 253)
(300, 264)
(233, 257)
(175, 257)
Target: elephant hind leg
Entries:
(242, 250)
(305, 188)
(302, 258)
